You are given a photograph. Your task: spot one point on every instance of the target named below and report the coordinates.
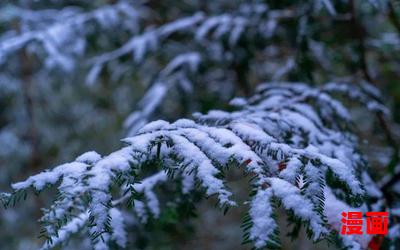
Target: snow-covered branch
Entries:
(65, 37)
(280, 136)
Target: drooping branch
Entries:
(288, 136)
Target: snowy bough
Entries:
(295, 143)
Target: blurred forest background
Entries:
(80, 75)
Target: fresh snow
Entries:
(276, 136)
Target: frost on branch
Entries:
(201, 33)
(293, 140)
(174, 73)
(64, 39)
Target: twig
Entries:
(26, 72)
